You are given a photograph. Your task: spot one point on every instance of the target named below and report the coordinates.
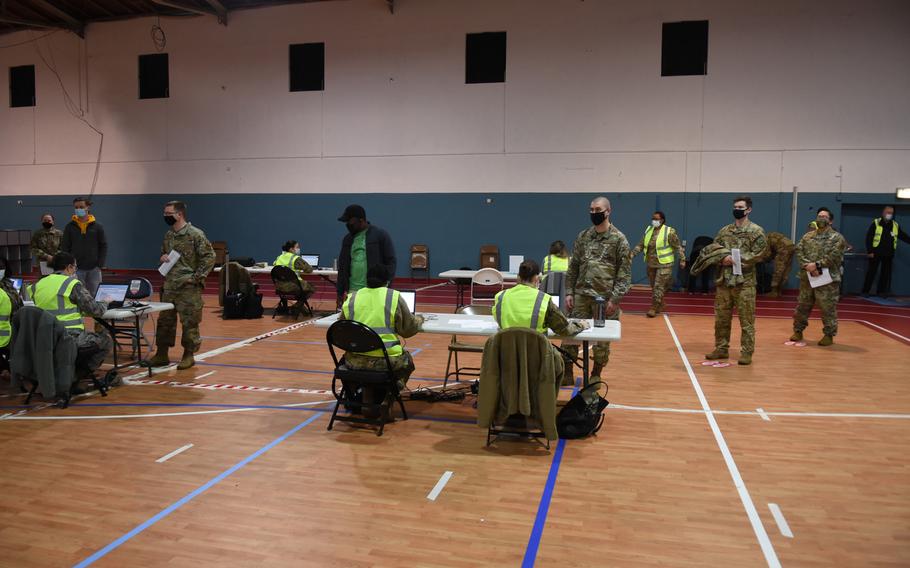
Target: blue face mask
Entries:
(80, 212)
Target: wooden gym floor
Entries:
(802, 461)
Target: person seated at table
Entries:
(525, 306)
(64, 296)
(9, 303)
(386, 312)
(558, 259)
(290, 257)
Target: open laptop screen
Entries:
(111, 293)
(17, 283)
(311, 259)
(410, 298)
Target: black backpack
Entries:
(583, 415)
(242, 306)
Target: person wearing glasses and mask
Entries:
(600, 266)
(817, 250)
(183, 286)
(734, 289)
(660, 243)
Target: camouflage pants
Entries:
(781, 268)
(743, 297)
(402, 367)
(188, 305)
(661, 278)
(584, 308)
(94, 340)
(826, 297)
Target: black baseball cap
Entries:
(352, 211)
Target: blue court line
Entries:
(192, 495)
(541, 519)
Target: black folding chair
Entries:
(355, 337)
(288, 287)
(132, 331)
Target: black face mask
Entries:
(598, 218)
(47, 225)
(739, 213)
(170, 219)
(353, 227)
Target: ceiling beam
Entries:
(220, 10)
(193, 9)
(72, 23)
(29, 23)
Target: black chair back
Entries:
(287, 278)
(142, 286)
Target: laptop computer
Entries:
(112, 294)
(311, 259)
(17, 283)
(410, 298)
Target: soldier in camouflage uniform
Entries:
(737, 290)
(660, 273)
(63, 263)
(781, 250)
(183, 286)
(822, 248)
(600, 266)
(46, 240)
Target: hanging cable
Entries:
(159, 39)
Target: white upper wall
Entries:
(796, 93)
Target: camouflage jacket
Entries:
(197, 257)
(600, 265)
(86, 302)
(46, 242)
(753, 246)
(651, 253)
(778, 243)
(825, 248)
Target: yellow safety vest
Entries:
(288, 259)
(878, 233)
(52, 294)
(6, 311)
(521, 306)
(664, 250)
(375, 308)
(555, 263)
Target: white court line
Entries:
(209, 374)
(163, 459)
(432, 286)
(763, 414)
(897, 416)
(439, 486)
(757, 526)
(161, 414)
(885, 330)
(780, 520)
(5, 415)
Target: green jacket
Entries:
(197, 257)
(518, 375)
(752, 244)
(825, 248)
(46, 242)
(600, 265)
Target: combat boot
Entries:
(568, 376)
(717, 354)
(775, 292)
(187, 361)
(652, 313)
(826, 341)
(745, 359)
(160, 358)
(797, 336)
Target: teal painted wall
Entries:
(453, 225)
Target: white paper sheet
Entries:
(737, 262)
(515, 262)
(45, 269)
(821, 279)
(474, 324)
(172, 258)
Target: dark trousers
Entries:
(884, 279)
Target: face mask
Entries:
(47, 225)
(598, 218)
(296, 251)
(81, 212)
(170, 219)
(739, 213)
(822, 222)
(655, 223)
(888, 217)
(353, 228)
